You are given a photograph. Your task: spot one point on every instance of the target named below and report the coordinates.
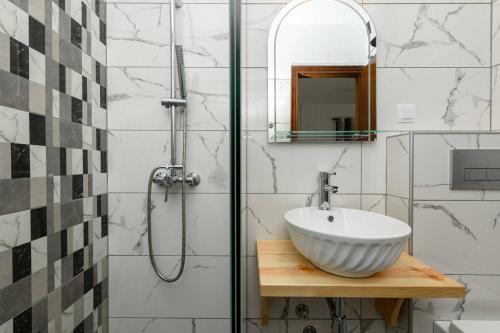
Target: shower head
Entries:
(180, 70)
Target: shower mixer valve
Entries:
(170, 179)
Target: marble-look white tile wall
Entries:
(455, 231)
(433, 54)
(495, 65)
(139, 135)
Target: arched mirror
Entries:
(322, 72)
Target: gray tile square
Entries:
(18, 296)
(66, 269)
(52, 71)
(78, 311)
(65, 107)
(5, 166)
(53, 158)
(66, 188)
(71, 134)
(14, 92)
(54, 305)
(14, 195)
(39, 316)
(64, 26)
(4, 56)
(38, 192)
(38, 285)
(5, 268)
(72, 291)
(71, 213)
(36, 98)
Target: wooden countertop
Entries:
(284, 272)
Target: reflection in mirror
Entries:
(322, 72)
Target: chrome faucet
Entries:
(325, 189)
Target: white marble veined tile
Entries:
(256, 24)
(135, 93)
(482, 302)
(255, 95)
(444, 98)
(398, 165)
(38, 254)
(495, 33)
(397, 207)
(14, 21)
(431, 165)
(282, 307)
(203, 291)
(154, 325)
(207, 217)
(458, 237)
(14, 125)
(203, 31)
(15, 229)
(286, 168)
(374, 203)
(265, 213)
(138, 34)
(374, 164)
(495, 98)
(432, 35)
(99, 183)
(37, 67)
(133, 154)
(38, 161)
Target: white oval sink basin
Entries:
(347, 242)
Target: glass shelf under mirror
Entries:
(328, 136)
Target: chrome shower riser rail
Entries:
(168, 177)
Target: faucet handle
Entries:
(325, 174)
(331, 188)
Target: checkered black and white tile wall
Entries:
(53, 166)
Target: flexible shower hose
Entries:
(162, 276)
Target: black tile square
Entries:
(84, 89)
(62, 78)
(80, 328)
(98, 139)
(38, 223)
(97, 72)
(76, 33)
(76, 110)
(37, 129)
(98, 205)
(62, 4)
(37, 35)
(77, 182)
(64, 243)
(77, 262)
(97, 295)
(104, 162)
(20, 160)
(21, 261)
(19, 59)
(84, 15)
(62, 161)
(103, 97)
(102, 32)
(23, 322)
(104, 226)
(85, 161)
(88, 280)
(85, 233)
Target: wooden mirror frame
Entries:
(365, 93)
